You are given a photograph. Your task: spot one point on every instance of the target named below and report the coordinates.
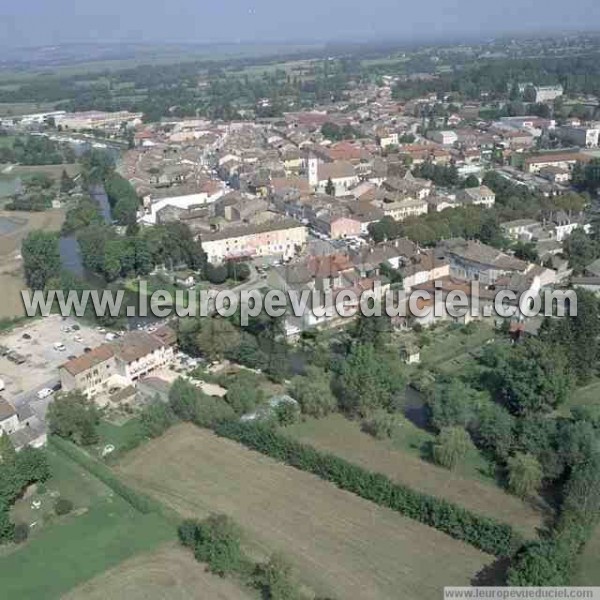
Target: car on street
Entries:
(44, 393)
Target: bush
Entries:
(275, 580)
(218, 545)
(483, 533)
(20, 533)
(156, 418)
(382, 424)
(187, 532)
(451, 447)
(63, 506)
(524, 475)
(216, 274)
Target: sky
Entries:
(48, 22)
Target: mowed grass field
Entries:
(169, 572)
(343, 437)
(102, 531)
(340, 545)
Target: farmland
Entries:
(341, 544)
(102, 531)
(169, 572)
(344, 438)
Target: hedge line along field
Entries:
(169, 572)
(343, 545)
(339, 436)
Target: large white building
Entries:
(281, 238)
(548, 93)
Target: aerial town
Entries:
(325, 454)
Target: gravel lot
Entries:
(42, 360)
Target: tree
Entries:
(536, 565)
(66, 183)
(577, 336)
(471, 182)
(217, 337)
(218, 544)
(330, 188)
(275, 579)
(63, 506)
(375, 330)
(524, 474)
(156, 418)
(581, 250)
(526, 251)
(187, 532)
(367, 382)
(183, 399)
(382, 424)
(244, 394)
(286, 413)
(452, 404)
(451, 446)
(495, 429)
(534, 378)
(216, 274)
(313, 392)
(73, 416)
(41, 258)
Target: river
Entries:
(70, 253)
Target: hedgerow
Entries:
(482, 532)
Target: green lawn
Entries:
(61, 553)
(585, 396)
(122, 437)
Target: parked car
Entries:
(60, 347)
(44, 393)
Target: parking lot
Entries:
(36, 344)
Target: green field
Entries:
(585, 396)
(102, 531)
(469, 485)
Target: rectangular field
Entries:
(342, 437)
(340, 544)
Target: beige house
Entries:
(120, 363)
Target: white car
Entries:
(60, 347)
(44, 393)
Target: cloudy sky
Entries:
(41, 22)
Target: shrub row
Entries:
(138, 501)
(483, 533)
